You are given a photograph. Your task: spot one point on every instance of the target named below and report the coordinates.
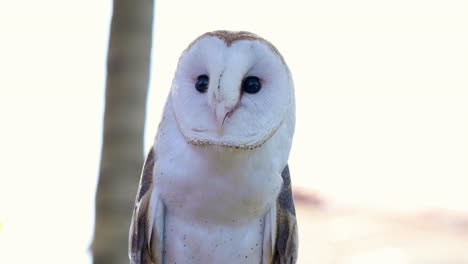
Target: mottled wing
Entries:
(146, 229)
(285, 248)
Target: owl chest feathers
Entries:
(214, 213)
(221, 192)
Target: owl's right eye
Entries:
(202, 83)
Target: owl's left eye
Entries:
(251, 85)
(202, 83)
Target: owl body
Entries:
(215, 186)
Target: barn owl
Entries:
(215, 187)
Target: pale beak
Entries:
(221, 114)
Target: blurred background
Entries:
(380, 156)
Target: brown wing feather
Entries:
(140, 240)
(285, 251)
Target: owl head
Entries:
(231, 89)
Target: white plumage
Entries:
(213, 189)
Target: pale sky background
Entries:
(382, 104)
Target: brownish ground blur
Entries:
(333, 234)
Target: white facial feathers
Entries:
(224, 114)
(224, 94)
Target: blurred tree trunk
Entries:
(128, 64)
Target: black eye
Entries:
(202, 83)
(251, 85)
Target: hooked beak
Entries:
(221, 113)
